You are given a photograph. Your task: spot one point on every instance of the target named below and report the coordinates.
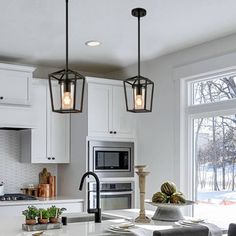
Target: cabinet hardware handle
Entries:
(114, 132)
(49, 158)
(1, 97)
(111, 132)
(53, 158)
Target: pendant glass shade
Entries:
(138, 94)
(138, 89)
(66, 91)
(66, 86)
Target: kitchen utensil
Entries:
(51, 181)
(43, 176)
(30, 191)
(44, 190)
(1, 189)
(37, 234)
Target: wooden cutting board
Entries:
(44, 176)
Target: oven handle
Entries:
(115, 193)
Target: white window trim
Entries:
(185, 114)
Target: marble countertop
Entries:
(54, 200)
(12, 226)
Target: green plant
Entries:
(55, 212)
(43, 213)
(31, 213)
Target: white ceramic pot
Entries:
(1, 189)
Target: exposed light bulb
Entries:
(67, 101)
(139, 100)
(139, 103)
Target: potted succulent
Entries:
(54, 213)
(30, 215)
(43, 216)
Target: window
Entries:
(212, 133)
(214, 90)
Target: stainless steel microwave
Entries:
(111, 159)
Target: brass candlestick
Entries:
(142, 218)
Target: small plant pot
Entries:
(43, 221)
(53, 220)
(30, 222)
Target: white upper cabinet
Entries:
(15, 84)
(34, 141)
(49, 141)
(123, 122)
(107, 115)
(99, 109)
(58, 135)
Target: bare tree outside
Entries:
(215, 138)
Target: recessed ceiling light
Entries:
(92, 43)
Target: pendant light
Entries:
(138, 89)
(66, 86)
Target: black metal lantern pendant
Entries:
(138, 89)
(66, 86)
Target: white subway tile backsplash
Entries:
(13, 173)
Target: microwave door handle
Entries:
(115, 193)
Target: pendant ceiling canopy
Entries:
(138, 89)
(66, 86)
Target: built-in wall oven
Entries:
(113, 196)
(111, 159)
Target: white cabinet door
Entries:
(15, 84)
(33, 141)
(107, 115)
(38, 135)
(58, 135)
(16, 210)
(99, 109)
(123, 122)
(48, 141)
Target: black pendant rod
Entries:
(138, 12)
(139, 45)
(66, 39)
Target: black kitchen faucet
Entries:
(97, 210)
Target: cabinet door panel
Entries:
(123, 121)
(15, 87)
(58, 135)
(99, 109)
(33, 141)
(39, 112)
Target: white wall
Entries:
(158, 132)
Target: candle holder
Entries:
(142, 218)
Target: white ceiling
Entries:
(33, 31)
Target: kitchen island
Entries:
(12, 226)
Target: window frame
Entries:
(188, 112)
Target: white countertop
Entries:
(54, 200)
(12, 226)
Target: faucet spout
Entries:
(97, 210)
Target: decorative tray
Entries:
(39, 227)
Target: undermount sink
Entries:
(88, 217)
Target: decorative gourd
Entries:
(177, 198)
(160, 197)
(168, 188)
